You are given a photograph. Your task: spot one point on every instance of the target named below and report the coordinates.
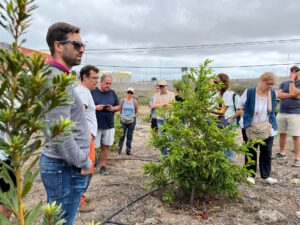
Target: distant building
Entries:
(119, 77)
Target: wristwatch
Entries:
(292, 81)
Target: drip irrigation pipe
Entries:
(105, 221)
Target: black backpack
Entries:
(235, 109)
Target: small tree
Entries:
(26, 95)
(196, 165)
(153, 79)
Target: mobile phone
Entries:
(106, 106)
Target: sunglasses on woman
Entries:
(294, 70)
(130, 92)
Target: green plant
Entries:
(93, 223)
(196, 164)
(26, 95)
(118, 133)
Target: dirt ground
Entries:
(259, 204)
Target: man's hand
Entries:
(100, 107)
(293, 76)
(85, 172)
(167, 105)
(109, 108)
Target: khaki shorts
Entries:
(288, 123)
(105, 137)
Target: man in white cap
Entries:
(162, 99)
(288, 117)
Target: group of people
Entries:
(257, 109)
(68, 162)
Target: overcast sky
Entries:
(123, 24)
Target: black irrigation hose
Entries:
(139, 159)
(107, 220)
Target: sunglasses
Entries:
(94, 78)
(76, 44)
(294, 70)
(161, 86)
(130, 92)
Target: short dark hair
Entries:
(59, 32)
(86, 71)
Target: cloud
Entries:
(110, 24)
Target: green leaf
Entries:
(34, 213)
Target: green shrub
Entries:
(196, 165)
(118, 133)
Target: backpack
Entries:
(235, 109)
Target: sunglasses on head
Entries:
(76, 44)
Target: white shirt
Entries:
(90, 112)
(228, 101)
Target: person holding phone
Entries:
(107, 103)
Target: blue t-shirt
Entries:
(289, 105)
(105, 118)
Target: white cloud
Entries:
(148, 23)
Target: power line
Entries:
(179, 67)
(184, 47)
(281, 41)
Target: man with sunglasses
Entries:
(288, 117)
(64, 162)
(162, 99)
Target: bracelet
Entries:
(292, 81)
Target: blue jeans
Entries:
(64, 184)
(128, 132)
(229, 153)
(165, 151)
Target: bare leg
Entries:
(297, 146)
(282, 142)
(5, 212)
(104, 155)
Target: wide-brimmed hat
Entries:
(162, 83)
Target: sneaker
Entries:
(251, 180)
(104, 170)
(296, 163)
(128, 153)
(280, 156)
(270, 180)
(86, 207)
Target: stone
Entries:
(270, 216)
